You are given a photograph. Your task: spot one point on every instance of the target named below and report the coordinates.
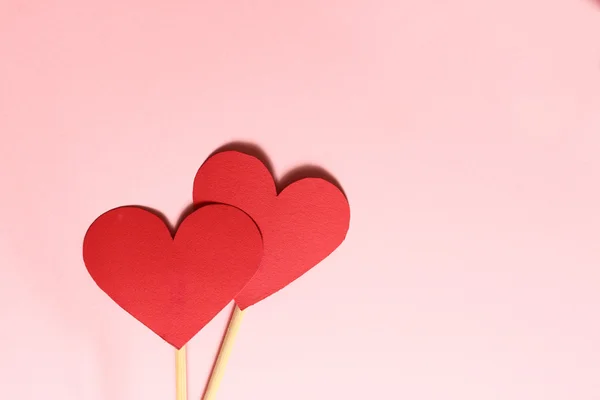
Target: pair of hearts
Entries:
(247, 243)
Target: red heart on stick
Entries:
(174, 286)
(300, 227)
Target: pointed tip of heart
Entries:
(177, 344)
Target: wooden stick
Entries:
(224, 351)
(181, 374)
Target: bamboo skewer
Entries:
(181, 374)
(224, 351)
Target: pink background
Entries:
(466, 135)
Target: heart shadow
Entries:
(295, 174)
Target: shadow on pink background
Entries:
(466, 136)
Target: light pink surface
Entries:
(466, 135)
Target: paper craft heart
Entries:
(300, 226)
(174, 286)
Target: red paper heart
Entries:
(300, 226)
(173, 286)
